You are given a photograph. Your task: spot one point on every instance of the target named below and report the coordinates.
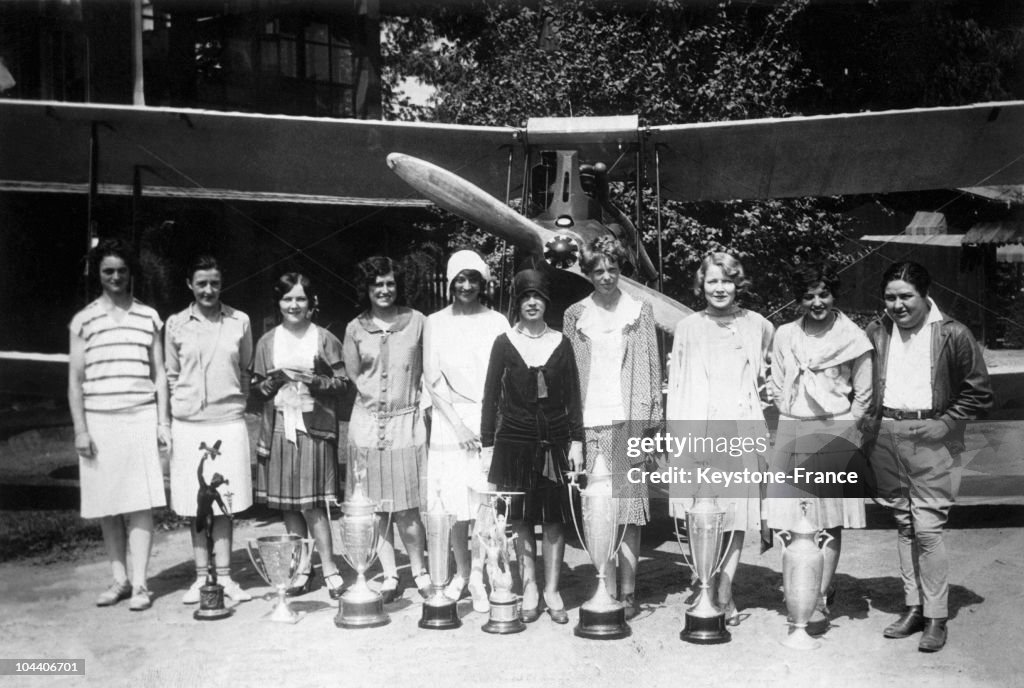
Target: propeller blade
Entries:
(470, 202)
(667, 311)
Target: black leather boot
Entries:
(910, 623)
(934, 637)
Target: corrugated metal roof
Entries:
(998, 233)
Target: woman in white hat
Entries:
(457, 343)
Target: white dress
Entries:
(457, 349)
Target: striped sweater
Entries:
(118, 375)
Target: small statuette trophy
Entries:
(490, 532)
(705, 528)
(802, 565)
(211, 595)
(601, 617)
(356, 537)
(279, 559)
(439, 612)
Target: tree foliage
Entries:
(671, 62)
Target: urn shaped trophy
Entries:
(601, 617)
(356, 536)
(439, 612)
(705, 529)
(802, 566)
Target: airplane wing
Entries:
(874, 152)
(45, 146)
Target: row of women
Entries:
(513, 409)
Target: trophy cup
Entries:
(491, 536)
(211, 595)
(356, 536)
(601, 617)
(279, 559)
(705, 528)
(802, 565)
(439, 612)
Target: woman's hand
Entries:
(576, 456)
(163, 437)
(84, 445)
(930, 430)
(468, 439)
(486, 454)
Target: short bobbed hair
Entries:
(369, 270)
(604, 247)
(806, 276)
(914, 274)
(732, 268)
(117, 248)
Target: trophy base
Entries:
(603, 625)
(798, 639)
(282, 613)
(705, 630)
(211, 605)
(440, 617)
(361, 614)
(504, 618)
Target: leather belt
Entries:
(902, 414)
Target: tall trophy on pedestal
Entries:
(357, 534)
(802, 566)
(211, 595)
(601, 617)
(279, 559)
(705, 528)
(490, 531)
(439, 612)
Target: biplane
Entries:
(558, 170)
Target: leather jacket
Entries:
(961, 389)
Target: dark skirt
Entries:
(297, 476)
(537, 469)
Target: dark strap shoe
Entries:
(934, 637)
(910, 623)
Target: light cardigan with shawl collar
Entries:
(640, 376)
(796, 374)
(321, 422)
(689, 378)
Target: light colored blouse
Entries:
(908, 385)
(207, 364)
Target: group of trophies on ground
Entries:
(520, 417)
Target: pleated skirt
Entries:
(297, 475)
(395, 477)
(125, 474)
(234, 463)
(513, 469)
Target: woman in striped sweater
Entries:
(117, 391)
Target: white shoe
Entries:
(454, 589)
(234, 591)
(140, 599)
(481, 603)
(114, 594)
(191, 595)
